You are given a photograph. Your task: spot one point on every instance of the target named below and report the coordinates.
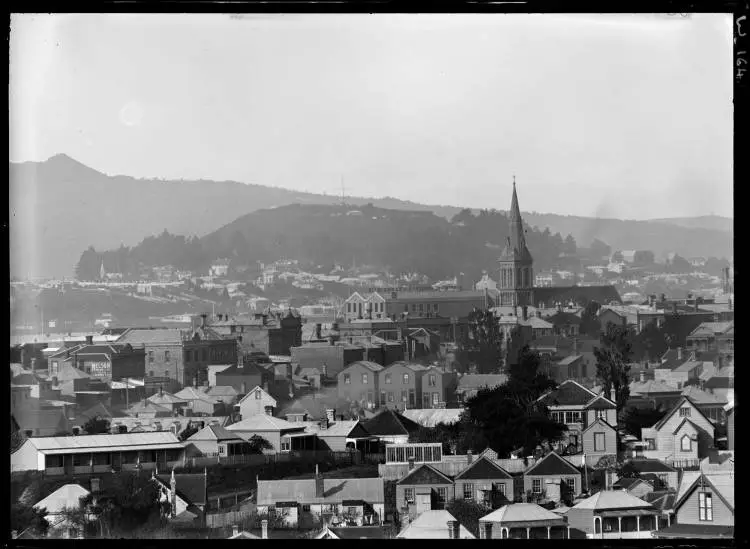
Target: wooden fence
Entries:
(228, 518)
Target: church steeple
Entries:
(516, 273)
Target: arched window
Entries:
(597, 525)
(686, 444)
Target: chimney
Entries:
(695, 306)
(539, 314)
(469, 457)
(643, 376)
(33, 364)
(613, 394)
(674, 307)
(330, 415)
(525, 310)
(319, 488)
(89, 340)
(411, 463)
(663, 298)
(323, 424)
(235, 530)
(324, 367)
(405, 521)
(264, 529)
(575, 345)
(14, 534)
(318, 331)
(453, 529)
(679, 353)
(161, 390)
(203, 320)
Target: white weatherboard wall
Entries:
(27, 458)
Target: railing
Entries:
(643, 534)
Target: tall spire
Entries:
(517, 238)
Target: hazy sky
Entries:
(624, 116)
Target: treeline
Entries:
(399, 240)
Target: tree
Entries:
(635, 419)
(468, 512)
(590, 324)
(486, 340)
(569, 246)
(612, 362)
(600, 248)
(258, 444)
(96, 426)
(24, 518)
(651, 342)
(680, 265)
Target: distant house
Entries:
(401, 385)
(682, 436)
(33, 420)
(438, 524)
(343, 435)
(423, 489)
(484, 482)
(711, 405)
(216, 441)
(470, 384)
(167, 400)
(391, 427)
(244, 378)
(565, 324)
(282, 435)
(199, 403)
(147, 409)
(358, 382)
(111, 361)
(256, 401)
(187, 494)
(552, 477)
(340, 502)
(637, 487)
(612, 514)
(66, 497)
(523, 521)
(666, 475)
(704, 507)
(223, 393)
(438, 388)
(712, 336)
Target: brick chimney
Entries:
(264, 529)
(525, 310)
(203, 320)
(613, 395)
(33, 364)
(643, 376)
(469, 457)
(318, 331)
(453, 529)
(411, 463)
(679, 353)
(330, 415)
(319, 487)
(89, 340)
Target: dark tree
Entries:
(96, 426)
(485, 340)
(569, 246)
(258, 444)
(24, 517)
(600, 249)
(651, 342)
(467, 513)
(635, 419)
(590, 324)
(680, 265)
(612, 361)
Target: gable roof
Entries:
(663, 500)
(599, 421)
(601, 403)
(264, 422)
(552, 464)
(390, 423)
(561, 318)
(644, 465)
(256, 389)
(191, 487)
(162, 398)
(685, 420)
(523, 512)
(628, 483)
(683, 399)
(127, 441)
(215, 432)
(483, 468)
(426, 474)
(568, 393)
(372, 366)
(222, 390)
(722, 483)
(651, 386)
(192, 393)
(699, 396)
(65, 496)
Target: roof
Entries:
(425, 474)
(651, 386)
(644, 465)
(601, 294)
(429, 417)
(244, 535)
(97, 410)
(147, 406)
(608, 500)
(68, 495)
(389, 423)
(192, 393)
(264, 422)
(372, 366)
(627, 483)
(215, 432)
(552, 464)
(479, 381)
(537, 323)
(191, 487)
(258, 388)
(439, 295)
(712, 329)
(66, 371)
(87, 443)
(433, 525)
(601, 403)
(722, 483)
(568, 360)
(139, 336)
(222, 390)
(163, 397)
(357, 532)
(696, 531)
(673, 411)
(599, 421)
(663, 500)
(337, 429)
(563, 317)
(699, 396)
(688, 366)
(335, 490)
(483, 468)
(568, 393)
(524, 512)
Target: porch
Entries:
(525, 530)
(110, 461)
(626, 524)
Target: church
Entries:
(515, 287)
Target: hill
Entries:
(60, 206)
(713, 222)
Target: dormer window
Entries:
(685, 412)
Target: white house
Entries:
(66, 497)
(257, 401)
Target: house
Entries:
(147, 409)
(172, 424)
(311, 374)
(212, 370)
(169, 401)
(438, 388)
(663, 501)
(33, 420)
(69, 455)
(199, 403)
(682, 437)
(523, 521)
(339, 436)
(423, 489)
(712, 336)
(110, 361)
(401, 385)
(329, 357)
(305, 502)
(186, 493)
(565, 324)
(257, 401)
(553, 478)
(654, 393)
(711, 405)
(358, 382)
(470, 384)
(637, 487)
(243, 378)
(704, 507)
(591, 419)
(612, 514)
(282, 435)
(390, 426)
(721, 383)
(223, 393)
(216, 441)
(66, 497)
(274, 333)
(437, 524)
(540, 327)
(485, 482)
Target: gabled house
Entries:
(704, 507)
(711, 405)
(484, 482)
(243, 378)
(281, 434)
(223, 393)
(634, 486)
(199, 403)
(591, 419)
(65, 497)
(167, 400)
(682, 437)
(438, 524)
(552, 478)
(612, 514)
(216, 441)
(565, 323)
(186, 494)
(423, 489)
(147, 409)
(391, 427)
(438, 388)
(256, 401)
(342, 435)
(523, 521)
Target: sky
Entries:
(626, 116)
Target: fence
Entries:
(302, 456)
(230, 518)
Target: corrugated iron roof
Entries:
(522, 512)
(264, 422)
(129, 441)
(302, 491)
(433, 525)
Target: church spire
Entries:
(517, 238)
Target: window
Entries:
(257, 395)
(536, 486)
(435, 398)
(406, 379)
(403, 396)
(305, 508)
(685, 412)
(387, 379)
(370, 398)
(601, 414)
(348, 307)
(390, 396)
(432, 380)
(557, 417)
(421, 308)
(347, 379)
(441, 493)
(705, 507)
(382, 398)
(686, 444)
(599, 442)
(571, 482)
(650, 444)
(412, 398)
(436, 307)
(150, 357)
(285, 445)
(150, 373)
(572, 417)
(364, 379)
(409, 495)
(413, 307)
(663, 479)
(166, 356)
(468, 491)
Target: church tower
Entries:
(516, 279)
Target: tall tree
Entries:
(600, 248)
(590, 324)
(569, 246)
(612, 361)
(96, 425)
(25, 518)
(485, 341)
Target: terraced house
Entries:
(359, 382)
(401, 385)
